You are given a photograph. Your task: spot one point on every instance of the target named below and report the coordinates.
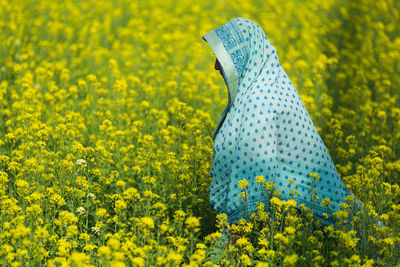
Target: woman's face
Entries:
(218, 66)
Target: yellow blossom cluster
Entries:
(107, 110)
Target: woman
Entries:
(264, 129)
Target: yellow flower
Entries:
(91, 78)
(276, 202)
(57, 200)
(34, 210)
(348, 239)
(21, 231)
(161, 260)
(245, 259)
(89, 247)
(198, 256)
(72, 230)
(164, 228)
(193, 223)
(138, 261)
(179, 215)
(291, 203)
(260, 179)
(201, 246)
(3, 177)
(147, 222)
(161, 206)
(120, 206)
(326, 202)
(243, 184)
(65, 218)
(242, 241)
(269, 185)
(116, 263)
(101, 213)
(113, 243)
(79, 259)
(174, 257)
(131, 193)
(263, 242)
(104, 251)
(384, 218)
(243, 195)
(280, 238)
(121, 183)
(222, 219)
(290, 260)
(22, 186)
(290, 230)
(64, 248)
(315, 176)
(213, 237)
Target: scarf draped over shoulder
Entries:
(264, 129)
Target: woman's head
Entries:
(217, 66)
(245, 57)
(242, 50)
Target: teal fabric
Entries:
(265, 128)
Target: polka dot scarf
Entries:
(264, 129)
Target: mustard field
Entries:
(107, 114)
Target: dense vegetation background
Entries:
(107, 113)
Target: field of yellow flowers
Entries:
(107, 114)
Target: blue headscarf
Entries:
(264, 129)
